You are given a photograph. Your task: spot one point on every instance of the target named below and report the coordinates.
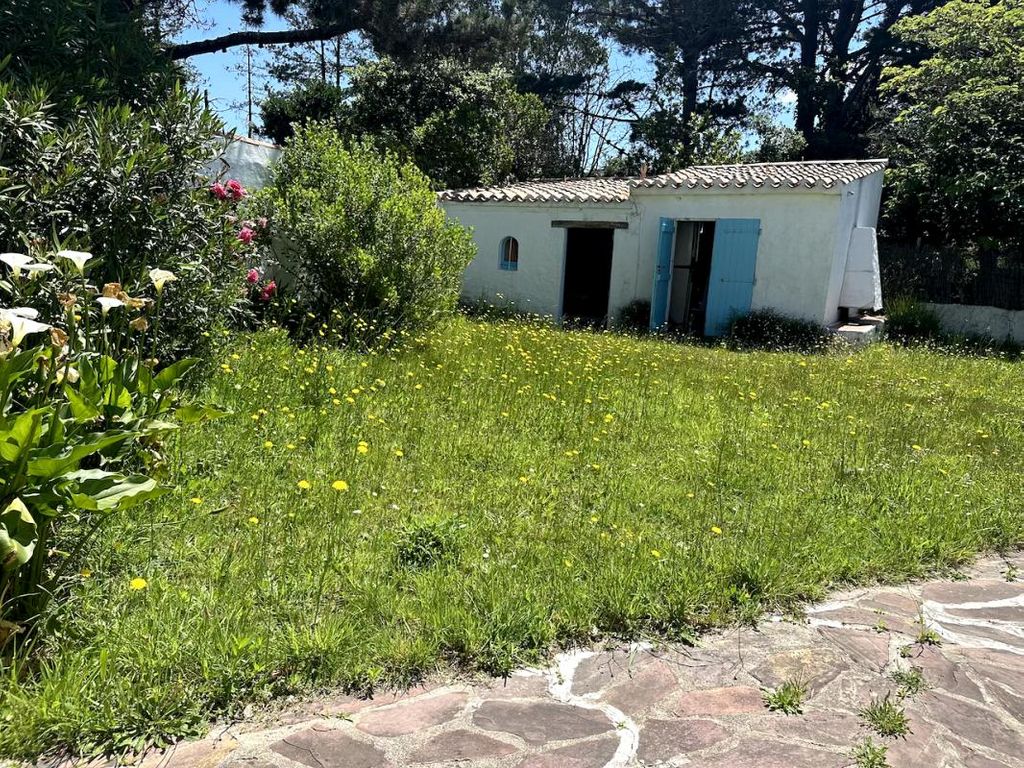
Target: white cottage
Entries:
(702, 245)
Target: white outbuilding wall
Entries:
(802, 266)
(247, 160)
(794, 252)
(536, 286)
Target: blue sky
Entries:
(222, 74)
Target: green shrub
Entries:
(907, 319)
(635, 316)
(767, 329)
(123, 184)
(361, 239)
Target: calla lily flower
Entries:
(22, 325)
(80, 258)
(108, 303)
(38, 267)
(16, 261)
(161, 276)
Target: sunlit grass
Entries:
(497, 489)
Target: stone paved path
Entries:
(677, 706)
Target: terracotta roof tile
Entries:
(588, 190)
(809, 174)
(812, 174)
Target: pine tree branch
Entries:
(255, 37)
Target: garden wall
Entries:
(972, 320)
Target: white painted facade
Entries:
(803, 260)
(982, 321)
(248, 160)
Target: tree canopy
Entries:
(461, 127)
(954, 125)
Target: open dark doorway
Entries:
(588, 274)
(691, 272)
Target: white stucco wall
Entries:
(247, 160)
(536, 286)
(989, 322)
(858, 207)
(795, 250)
(801, 257)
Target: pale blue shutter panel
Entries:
(733, 259)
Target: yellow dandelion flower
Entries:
(85, 573)
(917, 447)
(716, 530)
(339, 485)
(196, 499)
(268, 444)
(304, 485)
(137, 584)
(254, 520)
(399, 453)
(655, 553)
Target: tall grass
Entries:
(517, 487)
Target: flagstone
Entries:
(413, 715)
(822, 728)
(642, 689)
(587, 754)
(318, 748)
(941, 673)
(892, 604)
(666, 739)
(814, 666)
(759, 753)
(869, 649)
(974, 723)
(733, 700)
(973, 591)
(460, 744)
(540, 722)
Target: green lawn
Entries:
(517, 487)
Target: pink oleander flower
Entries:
(235, 189)
(245, 235)
(268, 290)
(218, 190)
(252, 276)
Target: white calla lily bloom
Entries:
(16, 261)
(80, 258)
(108, 303)
(23, 323)
(161, 277)
(38, 267)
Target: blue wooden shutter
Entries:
(662, 274)
(732, 273)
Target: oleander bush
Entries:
(358, 233)
(124, 184)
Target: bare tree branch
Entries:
(256, 37)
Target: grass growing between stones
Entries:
(494, 489)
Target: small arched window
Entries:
(509, 254)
